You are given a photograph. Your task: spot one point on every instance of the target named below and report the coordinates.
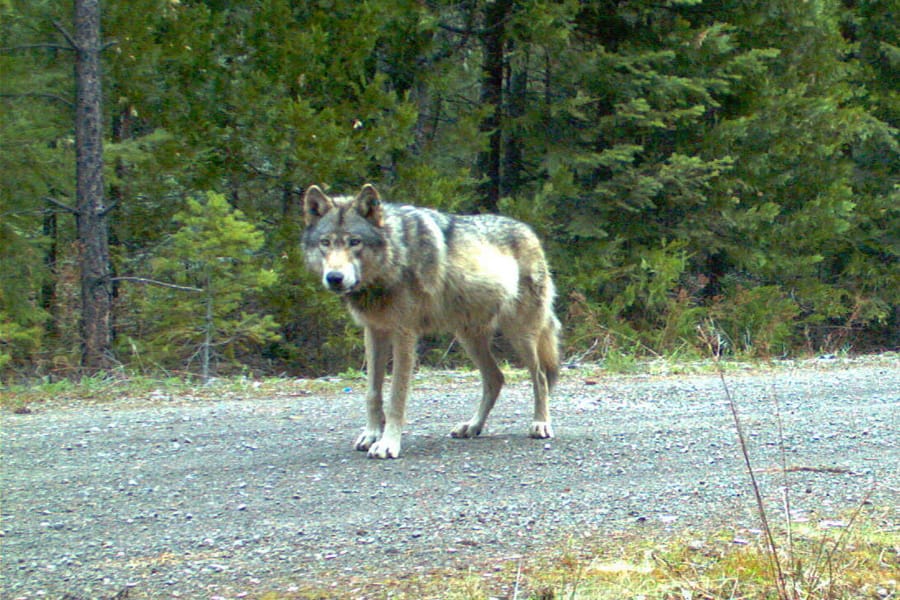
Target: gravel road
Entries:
(234, 497)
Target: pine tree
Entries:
(36, 185)
(806, 217)
(213, 252)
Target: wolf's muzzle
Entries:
(335, 281)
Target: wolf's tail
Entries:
(548, 351)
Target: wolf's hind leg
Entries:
(478, 347)
(378, 346)
(542, 376)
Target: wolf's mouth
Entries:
(346, 291)
(342, 290)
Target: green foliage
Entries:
(213, 258)
(749, 152)
(756, 322)
(22, 319)
(800, 206)
(18, 344)
(654, 310)
(317, 335)
(36, 163)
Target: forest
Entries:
(708, 176)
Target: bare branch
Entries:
(61, 205)
(73, 45)
(43, 96)
(466, 31)
(144, 280)
(261, 171)
(36, 47)
(107, 210)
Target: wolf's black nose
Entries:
(334, 279)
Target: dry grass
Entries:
(861, 563)
(829, 562)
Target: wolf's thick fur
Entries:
(404, 271)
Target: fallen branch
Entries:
(801, 469)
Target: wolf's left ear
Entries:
(315, 204)
(368, 204)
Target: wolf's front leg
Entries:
(378, 346)
(404, 356)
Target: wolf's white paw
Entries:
(541, 430)
(386, 447)
(466, 429)
(366, 439)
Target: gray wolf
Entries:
(403, 271)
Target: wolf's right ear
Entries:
(315, 204)
(368, 204)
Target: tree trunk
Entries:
(48, 287)
(208, 324)
(493, 39)
(92, 224)
(513, 152)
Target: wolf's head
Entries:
(343, 241)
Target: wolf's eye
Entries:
(324, 242)
(354, 242)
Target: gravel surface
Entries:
(181, 497)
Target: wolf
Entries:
(403, 271)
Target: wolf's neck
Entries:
(369, 298)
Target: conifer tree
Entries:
(214, 251)
(806, 219)
(32, 44)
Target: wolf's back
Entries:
(430, 242)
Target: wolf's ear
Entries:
(315, 204)
(368, 204)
